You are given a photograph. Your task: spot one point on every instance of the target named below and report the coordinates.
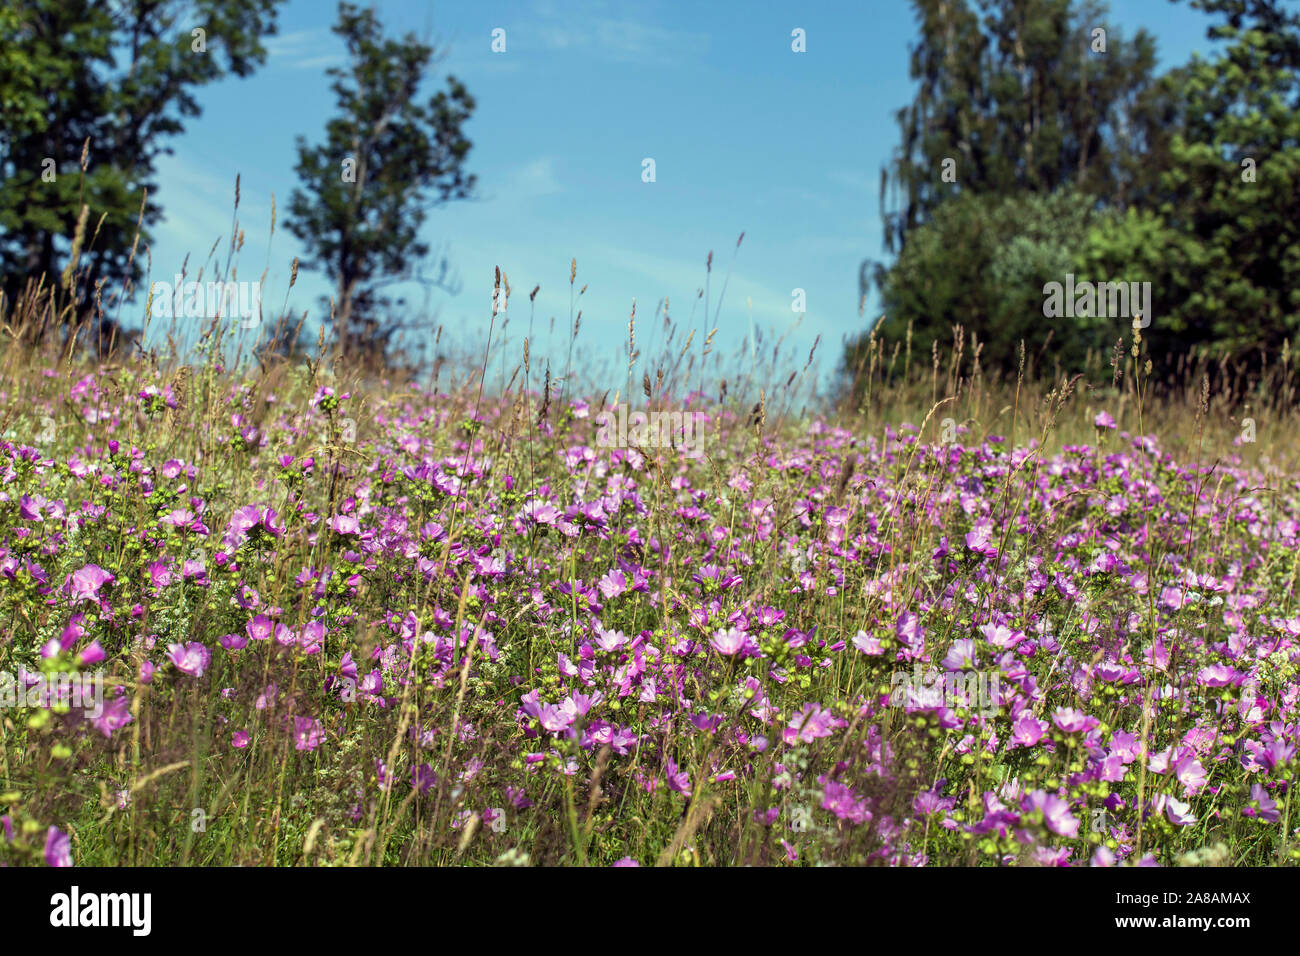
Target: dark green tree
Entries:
(1190, 182)
(387, 159)
(1017, 99)
(122, 77)
(1219, 235)
(983, 261)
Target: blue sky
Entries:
(746, 136)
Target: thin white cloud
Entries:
(197, 211)
(629, 40)
(318, 62)
(303, 49)
(586, 28)
(681, 279)
(532, 180)
(854, 180)
(296, 42)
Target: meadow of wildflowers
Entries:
(342, 621)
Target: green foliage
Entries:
(1018, 101)
(1223, 244)
(1067, 162)
(387, 158)
(1009, 248)
(121, 78)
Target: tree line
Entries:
(1042, 147)
(93, 92)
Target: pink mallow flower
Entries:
(58, 848)
(810, 723)
(86, 582)
(728, 642)
(307, 733)
(116, 715)
(1056, 812)
(978, 539)
(192, 658)
(345, 524)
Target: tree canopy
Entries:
(1041, 145)
(91, 94)
(387, 158)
